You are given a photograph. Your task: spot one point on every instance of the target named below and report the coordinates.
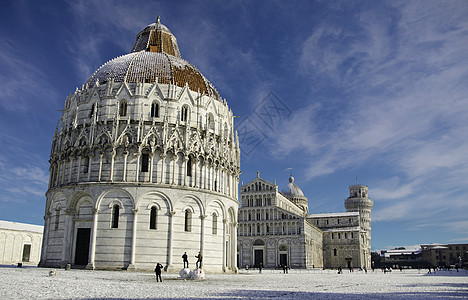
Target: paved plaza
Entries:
(35, 283)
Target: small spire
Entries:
(158, 20)
(258, 174)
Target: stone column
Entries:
(184, 170)
(92, 255)
(101, 155)
(71, 168)
(195, 178)
(112, 165)
(137, 173)
(131, 266)
(67, 236)
(234, 246)
(169, 240)
(45, 239)
(89, 167)
(79, 170)
(202, 233)
(174, 164)
(64, 167)
(151, 167)
(125, 166)
(203, 174)
(224, 244)
(162, 156)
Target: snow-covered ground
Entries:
(35, 283)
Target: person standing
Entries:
(157, 270)
(185, 258)
(199, 260)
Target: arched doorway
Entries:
(283, 255)
(258, 253)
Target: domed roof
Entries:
(292, 190)
(155, 57)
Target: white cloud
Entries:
(405, 108)
(22, 80)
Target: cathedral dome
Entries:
(292, 190)
(154, 57)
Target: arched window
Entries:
(189, 166)
(184, 114)
(153, 218)
(334, 252)
(115, 216)
(86, 164)
(144, 162)
(188, 220)
(123, 108)
(215, 224)
(91, 112)
(155, 110)
(211, 123)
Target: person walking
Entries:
(185, 258)
(199, 260)
(157, 270)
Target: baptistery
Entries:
(144, 166)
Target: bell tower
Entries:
(358, 201)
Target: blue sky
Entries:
(334, 92)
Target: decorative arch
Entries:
(163, 196)
(259, 242)
(115, 190)
(197, 201)
(77, 198)
(210, 210)
(118, 203)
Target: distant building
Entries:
(444, 255)
(275, 228)
(20, 243)
(401, 257)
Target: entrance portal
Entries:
(284, 259)
(82, 246)
(26, 252)
(258, 257)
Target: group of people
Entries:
(199, 258)
(159, 267)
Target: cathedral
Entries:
(144, 166)
(276, 229)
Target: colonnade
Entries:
(205, 173)
(270, 228)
